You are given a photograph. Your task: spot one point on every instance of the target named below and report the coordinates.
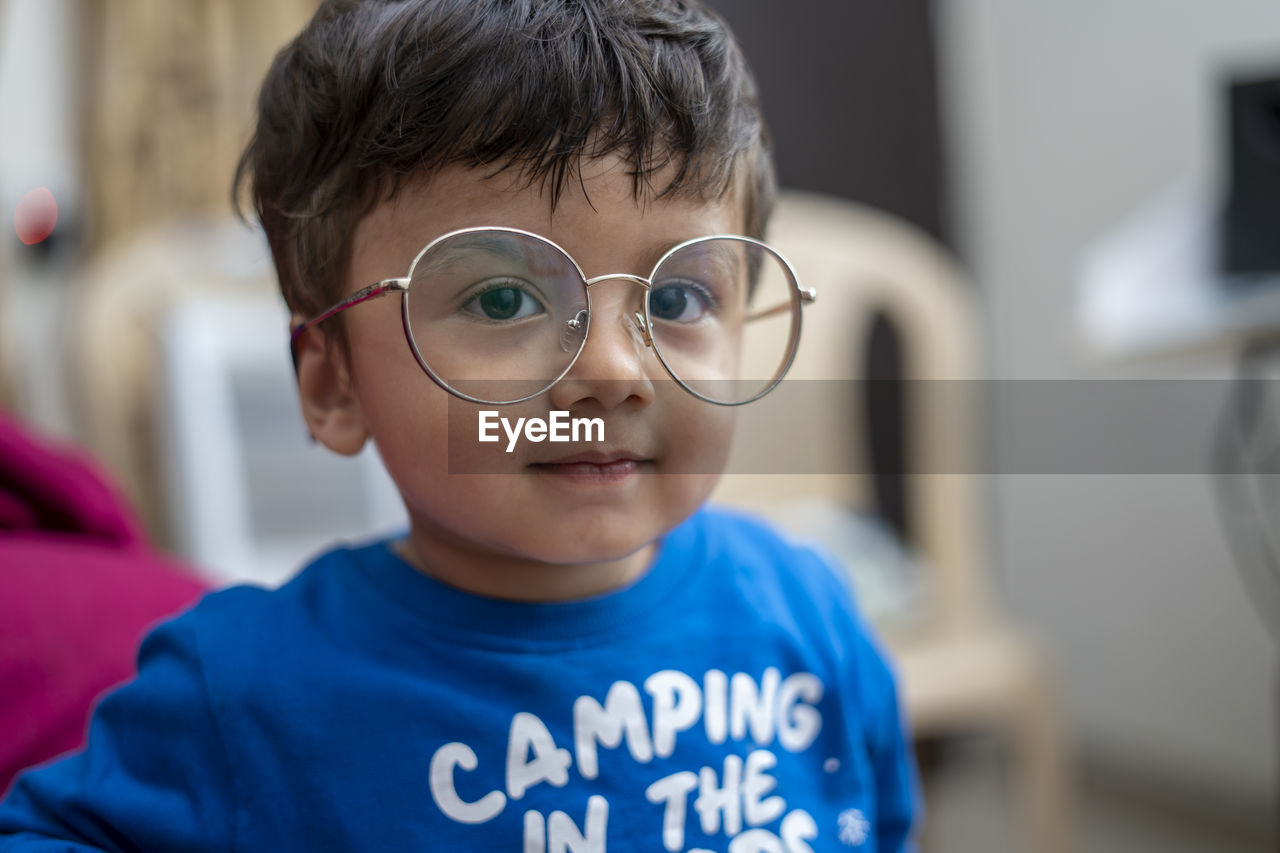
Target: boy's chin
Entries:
(545, 570)
(576, 547)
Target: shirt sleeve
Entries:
(154, 775)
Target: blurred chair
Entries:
(169, 89)
(962, 668)
(185, 392)
(121, 302)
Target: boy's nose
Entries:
(616, 360)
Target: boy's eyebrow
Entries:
(726, 252)
(731, 252)
(503, 248)
(497, 245)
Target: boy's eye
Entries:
(680, 302)
(505, 301)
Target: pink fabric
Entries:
(79, 587)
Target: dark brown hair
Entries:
(373, 92)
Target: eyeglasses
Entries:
(498, 315)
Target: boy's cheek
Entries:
(698, 440)
(408, 422)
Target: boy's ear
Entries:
(329, 403)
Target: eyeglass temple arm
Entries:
(373, 291)
(807, 297)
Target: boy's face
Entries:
(560, 521)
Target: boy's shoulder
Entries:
(750, 544)
(778, 577)
(247, 627)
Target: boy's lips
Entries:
(594, 466)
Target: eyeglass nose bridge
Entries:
(643, 326)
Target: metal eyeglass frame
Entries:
(800, 297)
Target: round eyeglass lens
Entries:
(725, 315)
(495, 315)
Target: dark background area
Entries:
(850, 94)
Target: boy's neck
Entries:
(512, 578)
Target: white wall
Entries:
(1065, 115)
(37, 74)
(38, 148)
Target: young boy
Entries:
(566, 652)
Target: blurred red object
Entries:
(35, 216)
(79, 587)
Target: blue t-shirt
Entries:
(729, 700)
